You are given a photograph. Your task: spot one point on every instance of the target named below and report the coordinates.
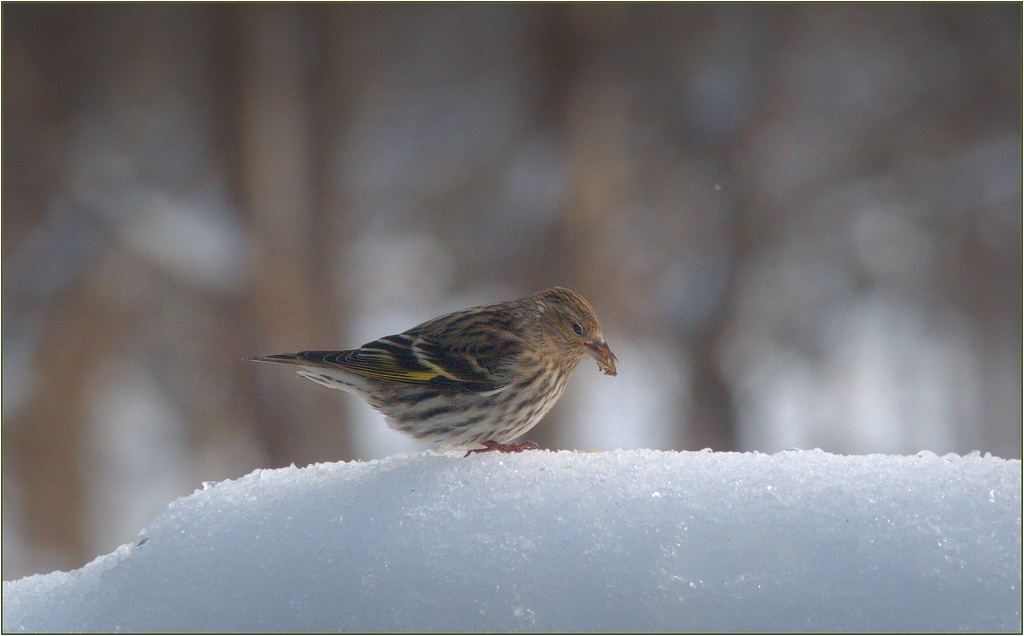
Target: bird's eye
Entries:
(577, 328)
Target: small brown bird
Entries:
(481, 376)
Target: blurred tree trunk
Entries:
(624, 200)
(279, 121)
(47, 441)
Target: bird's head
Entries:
(570, 323)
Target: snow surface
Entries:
(540, 541)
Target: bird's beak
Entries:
(599, 351)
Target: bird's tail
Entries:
(304, 358)
(318, 366)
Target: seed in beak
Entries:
(603, 354)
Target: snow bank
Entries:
(540, 541)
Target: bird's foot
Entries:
(503, 448)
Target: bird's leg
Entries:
(503, 448)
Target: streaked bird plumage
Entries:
(481, 376)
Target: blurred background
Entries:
(800, 226)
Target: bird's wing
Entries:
(412, 358)
(480, 363)
(472, 350)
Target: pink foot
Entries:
(503, 448)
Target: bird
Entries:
(473, 379)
